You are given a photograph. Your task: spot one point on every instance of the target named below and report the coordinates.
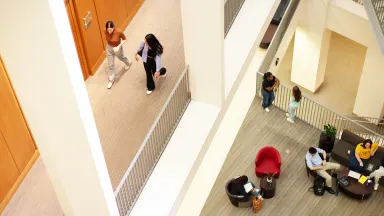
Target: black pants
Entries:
(150, 70)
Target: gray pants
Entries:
(377, 175)
(111, 60)
(323, 172)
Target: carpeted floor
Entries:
(124, 114)
(292, 197)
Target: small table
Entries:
(268, 190)
(355, 189)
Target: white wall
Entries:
(38, 50)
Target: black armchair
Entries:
(241, 201)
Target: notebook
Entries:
(248, 187)
(344, 181)
(363, 179)
(354, 174)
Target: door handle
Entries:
(87, 20)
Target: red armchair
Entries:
(268, 161)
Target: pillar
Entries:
(311, 46)
(38, 50)
(370, 93)
(203, 31)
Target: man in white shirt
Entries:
(314, 162)
(377, 174)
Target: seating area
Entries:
(291, 195)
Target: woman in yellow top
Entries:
(363, 152)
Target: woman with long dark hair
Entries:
(270, 84)
(150, 51)
(115, 40)
(293, 104)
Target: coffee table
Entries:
(268, 190)
(355, 190)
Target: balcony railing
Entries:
(318, 115)
(231, 9)
(153, 146)
(375, 13)
(358, 1)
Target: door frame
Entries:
(72, 16)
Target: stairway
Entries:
(375, 13)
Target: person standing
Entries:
(115, 39)
(150, 51)
(269, 86)
(293, 104)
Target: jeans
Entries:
(355, 165)
(291, 113)
(268, 98)
(254, 192)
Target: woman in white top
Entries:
(293, 104)
(150, 51)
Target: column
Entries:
(203, 31)
(38, 50)
(311, 46)
(370, 94)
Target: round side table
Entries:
(268, 189)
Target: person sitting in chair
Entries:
(363, 152)
(238, 186)
(314, 162)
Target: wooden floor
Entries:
(123, 114)
(292, 196)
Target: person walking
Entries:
(115, 39)
(293, 104)
(269, 86)
(150, 51)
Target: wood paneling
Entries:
(13, 125)
(8, 169)
(91, 37)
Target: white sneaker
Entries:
(129, 65)
(266, 109)
(376, 187)
(286, 114)
(288, 119)
(149, 92)
(110, 84)
(164, 75)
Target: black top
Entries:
(151, 53)
(268, 83)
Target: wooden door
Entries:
(86, 70)
(13, 125)
(92, 40)
(8, 170)
(111, 10)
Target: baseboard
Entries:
(23, 174)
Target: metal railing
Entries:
(279, 34)
(375, 124)
(375, 13)
(318, 115)
(358, 1)
(231, 9)
(153, 146)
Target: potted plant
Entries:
(327, 138)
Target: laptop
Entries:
(354, 174)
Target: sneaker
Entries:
(129, 65)
(286, 114)
(376, 187)
(164, 75)
(110, 84)
(289, 119)
(266, 109)
(330, 190)
(149, 92)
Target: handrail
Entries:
(358, 1)
(231, 9)
(142, 165)
(316, 114)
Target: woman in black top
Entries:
(150, 51)
(270, 84)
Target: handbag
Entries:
(257, 204)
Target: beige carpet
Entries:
(123, 114)
(292, 197)
(344, 66)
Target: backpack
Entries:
(318, 186)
